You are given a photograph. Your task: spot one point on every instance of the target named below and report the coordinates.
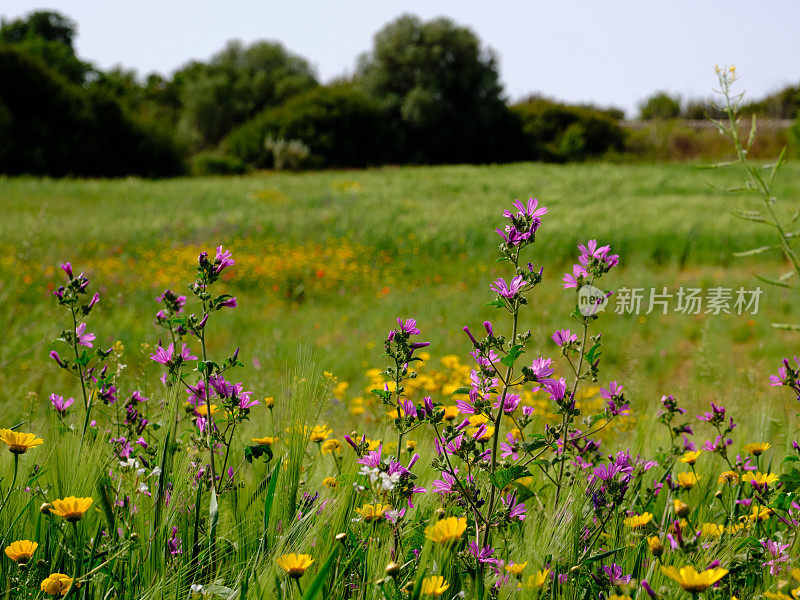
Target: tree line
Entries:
(427, 92)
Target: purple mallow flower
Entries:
(508, 290)
(223, 258)
(59, 403)
(84, 339)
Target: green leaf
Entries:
(461, 390)
(777, 282)
(790, 458)
(501, 479)
(786, 326)
(496, 303)
(791, 480)
(270, 497)
(316, 585)
(514, 353)
(257, 451)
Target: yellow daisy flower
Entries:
(637, 521)
(264, 441)
(434, 586)
(757, 448)
(71, 508)
(692, 581)
(687, 480)
(19, 443)
(295, 565)
(21, 551)
(370, 512)
(446, 530)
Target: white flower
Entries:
(156, 472)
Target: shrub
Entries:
(214, 163)
(660, 106)
(340, 125)
(51, 126)
(558, 132)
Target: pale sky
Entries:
(606, 52)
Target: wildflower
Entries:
(21, 551)
(319, 433)
(759, 480)
(84, 339)
(434, 586)
(690, 457)
(540, 579)
(516, 510)
(482, 555)
(637, 521)
(564, 336)
(295, 565)
(264, 441)
(687, 480)
(174, 542)
(681, 508)
(331, 446)
(223, 259)
(615, 576)
(446, 530)
(19, 443)
(508, 290)
(411, 445)
(692, 581)
(371, 512)
(450, 412)
(202, 410)
(711, 529)
(728, 477)
(516, 568)
(330, 482)
(71, 508)
(757, 448)
(56, 584)
(656, 547)
(59, 403)
(269, 402)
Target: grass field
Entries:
(328, 260)
(325, 263)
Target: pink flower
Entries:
(508, 290)
(84, 339)
(59, 403)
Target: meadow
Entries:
(325, 264)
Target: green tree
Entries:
(234, 85)
(437, 80)
(48, 36)
(660, 106)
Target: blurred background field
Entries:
(326, 261)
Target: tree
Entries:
(48, 36)
(660, 106)
(51, 126)
(437, 80)
(234, 85)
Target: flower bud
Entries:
(45, 508)
(392, 569)
(681, 508)
(656, 547)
